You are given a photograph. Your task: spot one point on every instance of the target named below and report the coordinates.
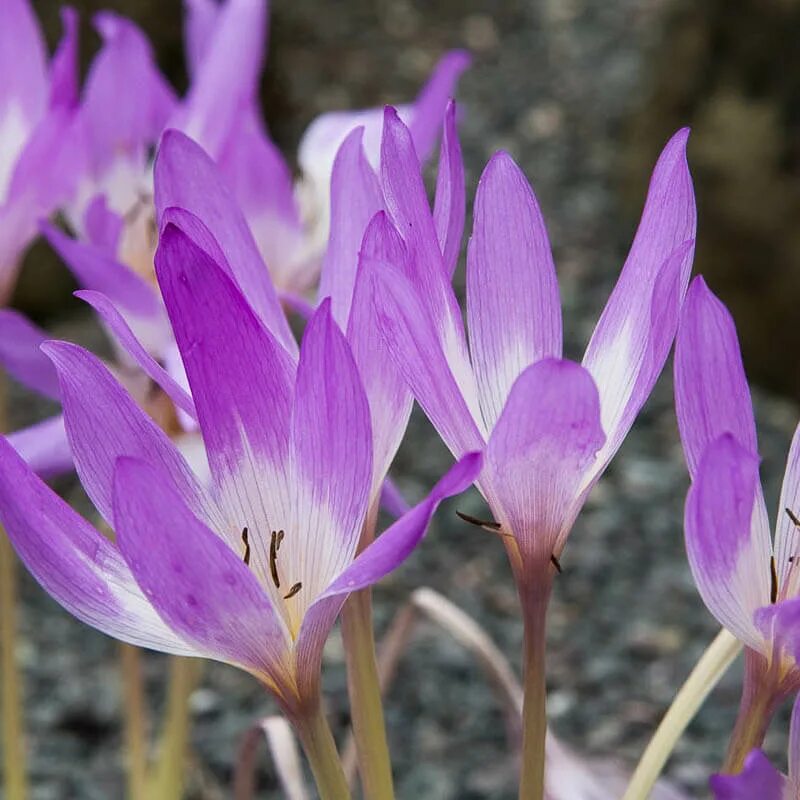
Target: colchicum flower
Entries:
(759, 779)
(37, 105)
(750, 585)
(253, 569)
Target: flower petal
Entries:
(102, 226)
(331, 442)
(711, 391)
(727, 539)
(618, 350)
(45, 447)
(64, 78)
(125, 336)
(414, 344)
(104, 423)
(794, 742)
(385, 554)
(74, 563)
(355, 198)
(449, 207)
(513, 308)
(241, 381)
(20, 355)
(545, 439)
(199, 21)
(187, 178)
(198, 585)
(758, 779)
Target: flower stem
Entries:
(713, 664)
(760, 696)
(320, 749)
(534, 711)
(135, 723)
(15, 784)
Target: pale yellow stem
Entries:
(135, 721)
(320, 749)
(712, 665)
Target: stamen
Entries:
(487, 525)
(274, 544)
(773, 574)
(246, 540)
(793, 517)
(293, 591)
(556, 563)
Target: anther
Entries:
(793, 517)
(246, 540)
(485, 524)
(274, 544)
(293, 591)
(773, 575)
(556, 563)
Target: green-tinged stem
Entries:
(135, 722)
(713, 664)
(363, 684)
(760, 697)
(534, 707)
(13, 735)
(169, 775)
(320, 749)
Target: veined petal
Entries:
(104, 423)
(20, 355)
(618, 346)
(414, 344)
(787, 535)
(125, 336)
(727, 540)
(711, 391)
(779, 625)
(241, 381)
(513, 308)
(186, 177)
(355, 198)
(425, 118)
(74, 563)
(198, 585)
(390, 399)
(449, 207)
(794, 742)
(758, 779)
(44, 447)
(385, 554)
(331, 441)
(545, 439)
(226, 80)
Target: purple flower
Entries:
(759, 778)
(254, 568)
(549, 426)
(37, 102)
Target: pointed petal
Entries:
(125, 336)
(413, 343)
(449, 207)
(226, 80)
(758, 779)
(390, 399)
(355, 198)
(45, 447)
(392, 500)
(544, 441)
(104, 423)
(241, 381)
(428, 109)
(187, 178)
(199, 21)
(727, 541)
(64, 78)
(20, 355)
(711, 391)
(618, 348)
(510, 278)
(787, 534)
(385, 554)
(74, 563)
(331, 443)
(198, 585)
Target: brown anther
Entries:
(293, 591)
(556, 563)
(274, 544)
(793, 517)
(246, 540)
(485, 524)
(773, 575)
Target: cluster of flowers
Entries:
(242, 473)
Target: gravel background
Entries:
(563, 86)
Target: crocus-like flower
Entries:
(37, 103)
(253, 570)
(749, 585)
(549, 426)
(759, 779)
